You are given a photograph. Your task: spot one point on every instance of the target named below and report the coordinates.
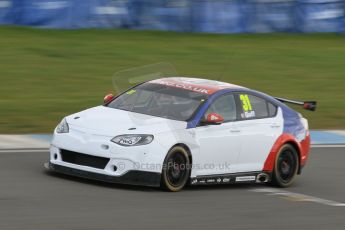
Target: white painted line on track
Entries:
(24, 150)
(297, 197)
(328, 146)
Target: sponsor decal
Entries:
(221, 180)
(248, 114)
(245, 178)
(217, 180)
(226, 180)
(202, 181)
(196, 85)
(211, 180)
(191, 87)
(248, 111)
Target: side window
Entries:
(272, 110)
(255, 107)
(224, 106)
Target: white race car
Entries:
(171, 132)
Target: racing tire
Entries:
(285, 167)
(176, 169)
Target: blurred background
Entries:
(59, 56)
(215, 16)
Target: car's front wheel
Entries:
(286, 166)
(176, 169)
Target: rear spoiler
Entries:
(308, 105)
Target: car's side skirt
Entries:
(233, 178)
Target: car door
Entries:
(218, 144)
(259, 126)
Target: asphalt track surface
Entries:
(31, 198)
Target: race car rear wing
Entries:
(308, 105)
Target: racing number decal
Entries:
(247, 106)
(245, 103)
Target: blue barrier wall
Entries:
(272, 16)
(219, 16)
(320, 16)
(172, 15)
(71, 14)
(6, 12)
(214, 16)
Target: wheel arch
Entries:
(298, 150)
(186, 148)
(281, 141)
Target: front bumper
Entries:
(84, 154)
(133, 177)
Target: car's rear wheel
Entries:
(286, 166)
(176, 169)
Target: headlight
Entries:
(62, 127)
(133, 139)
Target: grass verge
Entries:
(47, 74)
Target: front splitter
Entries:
(133, 177)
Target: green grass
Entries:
(47, 74)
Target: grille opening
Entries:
(84, 159)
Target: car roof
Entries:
(200, 85)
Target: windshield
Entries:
(159, 100)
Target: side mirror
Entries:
(214, 119)
(108, 98)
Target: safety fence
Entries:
(215, 16)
